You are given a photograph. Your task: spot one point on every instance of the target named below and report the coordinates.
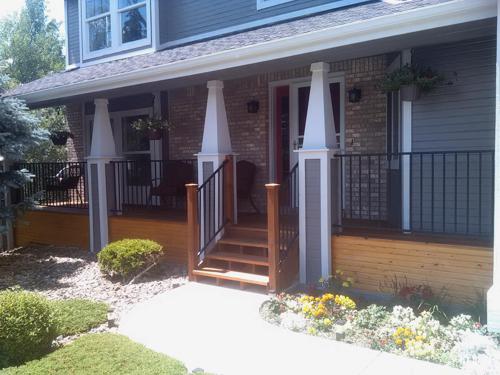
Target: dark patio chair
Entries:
(66, 180)
(172, 184)
(245, 179)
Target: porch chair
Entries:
(176, 174)
(66, 180)
(245, 179)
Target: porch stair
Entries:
(241, 255)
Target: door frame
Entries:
(294, 84)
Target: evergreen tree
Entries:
(18, 131)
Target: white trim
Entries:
(446, 14)
(118, 56)
(263, 4)
(66, 34)
(155, 21)
(406, 130)
(116, 41)
(261, 22)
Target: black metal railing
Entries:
(56, 184)
(441, 192)
(211, 208)
(288, 212)
(151, 184)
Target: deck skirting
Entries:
(461, 269)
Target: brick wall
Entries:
(76, 146)
(365, 121)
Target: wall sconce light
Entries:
(354, 95)
(253, 106)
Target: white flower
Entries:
(293, 321)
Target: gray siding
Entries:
(454, 193)
(180, 19)
(73, 25)
(96, 221)
(313, 219)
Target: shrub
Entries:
(79, 315)
(126, 257)
(27, 326)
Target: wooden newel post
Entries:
(273, 235)
(193, 232)
(229, 188)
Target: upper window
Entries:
(115, 25)
(261, 4)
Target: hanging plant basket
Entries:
(154, 134)
(411, 81)
(409, 93)
(60, 138)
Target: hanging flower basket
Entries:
(411, 82)
(60, 138)
(152, 126)
(409, 93)
(154, 134)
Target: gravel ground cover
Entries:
(64, 273)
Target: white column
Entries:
(216, 144)
(493, 302)
(102, 152)
(406, 117)
(315, 185)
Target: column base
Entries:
(493, 308)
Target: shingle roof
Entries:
(244, 39)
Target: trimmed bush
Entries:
(28, 326)
(126, 257)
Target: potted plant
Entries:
(411, 81)
(153, 126)
(60, 138)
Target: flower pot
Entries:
(60, 138)
(409, 93)
(154, 134)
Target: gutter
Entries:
(431, 17)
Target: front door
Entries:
(291, 102)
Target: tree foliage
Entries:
(31, 44)
(31, 48)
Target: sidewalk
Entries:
(219, 330)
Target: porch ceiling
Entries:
(319, 38)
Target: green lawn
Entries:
(101, 354)
(79, 315)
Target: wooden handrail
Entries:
(193, 230)
(273, 234)
(229, 188)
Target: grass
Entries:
(79, 316)
(101, 354)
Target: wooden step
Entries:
(239, 258)
(242, 277)
(239, 240)
(247, 228)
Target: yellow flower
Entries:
(327, 322)
(399, 342)
(312, 330)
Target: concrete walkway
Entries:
(219, 330)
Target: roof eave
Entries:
(425, 18)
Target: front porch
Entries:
(411, 183)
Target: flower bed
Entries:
(461, 342)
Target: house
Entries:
(299, 163)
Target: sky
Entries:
(55, 9)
